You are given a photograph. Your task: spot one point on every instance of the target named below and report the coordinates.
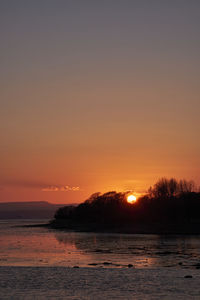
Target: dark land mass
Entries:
(28, 210)
(170, 207)
(141, 228)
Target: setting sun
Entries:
(131, 199)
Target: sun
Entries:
(131, 199)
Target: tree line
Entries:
(169, 201)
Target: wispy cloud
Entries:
(62, 188)
(40, 185)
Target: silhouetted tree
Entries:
(169, 201)
(168, 188)
(64, 212)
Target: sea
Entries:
(43, 263)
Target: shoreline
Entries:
(172, 229)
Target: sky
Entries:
(97, 96)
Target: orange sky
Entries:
(97, 97)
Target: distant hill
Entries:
(29, 210)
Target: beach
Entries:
(41, 263)
(97, 283)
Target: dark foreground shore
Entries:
(86, 283)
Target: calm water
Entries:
(43, 247)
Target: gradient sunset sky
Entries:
(97, 96)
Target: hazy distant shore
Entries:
(28, 210)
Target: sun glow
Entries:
(131, 199)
